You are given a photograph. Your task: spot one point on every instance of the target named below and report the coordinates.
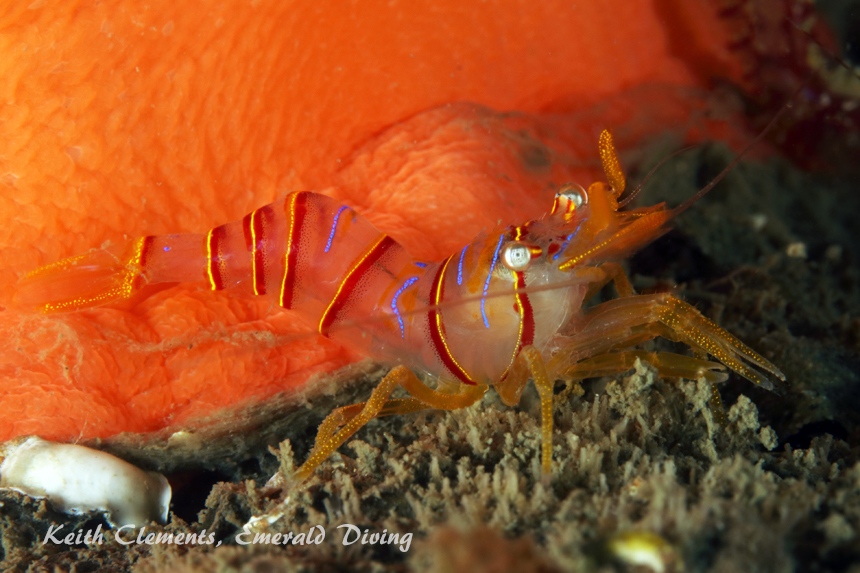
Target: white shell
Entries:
(77, 479)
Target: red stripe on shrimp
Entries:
(296, 208)
(252, 227)
(214, 261)
(364, 263)
(437, 328)
(142, 250)
(526, 334)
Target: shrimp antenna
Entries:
(632, 195)
(824, 48)
(728, 168)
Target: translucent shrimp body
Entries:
(505, 308)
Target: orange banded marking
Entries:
(214, 260)
(297, 208)
(363, 264)
(437, 329)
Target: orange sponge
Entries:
(121, 119)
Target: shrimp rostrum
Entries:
(506, 308)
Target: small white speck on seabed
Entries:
(796, 250)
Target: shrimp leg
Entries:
(668, 364)
(329, 437)
(529, 361)
(623, 322)
(603, 275)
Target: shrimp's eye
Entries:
(568, 199)
(573, 193)
(517, 256)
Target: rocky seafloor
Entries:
(771, 255)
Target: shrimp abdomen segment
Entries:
(311, 255)
(288, 250)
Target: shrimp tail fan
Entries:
(93, 279)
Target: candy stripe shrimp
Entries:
(506, 308)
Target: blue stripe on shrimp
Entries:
(334, 227)
(566, 242)
(460, 266)
(409, 282)
(489, 276)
